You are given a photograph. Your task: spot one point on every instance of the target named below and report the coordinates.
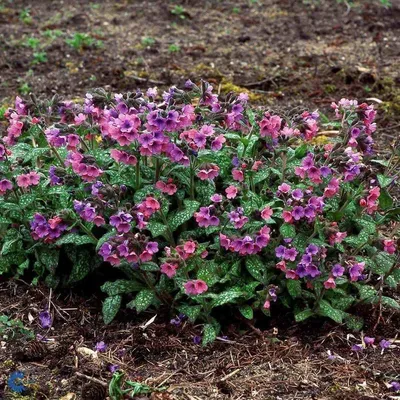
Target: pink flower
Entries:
(284, 188)
(389, 246)
(34, 178)
(209, 172)
(287, 216)
(231, 192)
(266, 213)
(169, 269)
(79, 119)
(189, 247)
(238, 175)
(195, 287)
(23, 180)
(330, 283)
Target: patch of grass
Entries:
(179, 11)
(39, 57)
(24, 88)
(52, 33)
(13, 328)
(174, 48)
(32, 42)
(79, 41)
(25, 16)
(147, 41)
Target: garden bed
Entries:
(306, 361)
(287, 56)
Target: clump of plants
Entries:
(201, 203)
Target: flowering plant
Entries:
(201, 203)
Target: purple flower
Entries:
(313, 271)
(356, 347)
(101, 347)
(385, 344)
(113, 368)
(280, 251)
(197, 339)
(297, 194)
(312, 249)
(45, 319)
(298, 212)
(395, 386)
(325, 171)
(337, 270)
(369, 340)
(290, 254)
(301, 270)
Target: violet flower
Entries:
(45, 319)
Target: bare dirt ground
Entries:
(286, 53)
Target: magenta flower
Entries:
(195, 287)
(369, 341)
(231, 192)
(169, 269)
(284, 188)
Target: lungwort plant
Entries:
(201, 203)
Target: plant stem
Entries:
(137, 168)
(87, 231)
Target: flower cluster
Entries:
(47, 230)
(202, 201)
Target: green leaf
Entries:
(192, 312)
(384, 181)
(156, 229)
(385, 200)
(301, 151)
(326, 310)
(121, 286)
(358, 241)
(22, 267)
(354, 322)
(26, 200)
(226, 297)
(287, 230)
(255, 267)
(81, 267)
(111, 306)
(384, 262)
(209, 334)
(149, 267)
(144, 299)
(388, 301)
(49, 258)
(182, 216)
(4, 220)
(303, 315)
(246, 311)
(366, 224)
(76, 239)
(366, 292)
(208, 273)
(261, 175)
(342, 302)
(294, 287)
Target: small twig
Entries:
(139, 79)
(89, 378)
(230, 375)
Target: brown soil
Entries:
(288, 54)
(282, 362)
